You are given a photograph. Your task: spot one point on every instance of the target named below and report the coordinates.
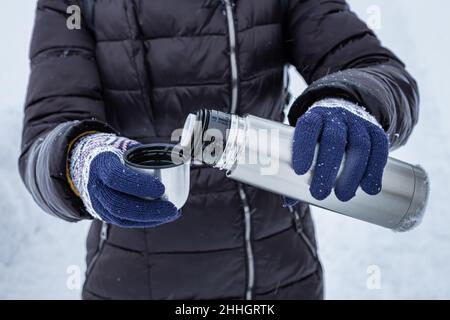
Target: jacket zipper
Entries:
(301, 233)
(101, 242)
(248, 244)
(233, 57)
(234, 100)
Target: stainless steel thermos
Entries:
(257, 152)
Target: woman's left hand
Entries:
(340, 128)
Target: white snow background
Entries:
(36, 249)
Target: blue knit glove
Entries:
(113, 192)
(340, 127)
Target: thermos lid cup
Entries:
(161, 161)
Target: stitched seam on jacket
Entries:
(250, 79)
(190, 36)
(65, 96)
(96, 295)
(196, 252)
(55, 53)
(147, 252)
(288, 284)
(276, 233)
(122, 90)
(259, 26)
(116, 246)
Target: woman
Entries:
(132, 74)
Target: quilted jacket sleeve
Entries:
(339, 56)
(63, 101)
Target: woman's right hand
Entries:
(111, 191)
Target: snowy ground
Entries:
(36, 250)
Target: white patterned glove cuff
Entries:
(84, 152)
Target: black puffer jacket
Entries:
(139, 71)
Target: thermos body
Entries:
(399, 205)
